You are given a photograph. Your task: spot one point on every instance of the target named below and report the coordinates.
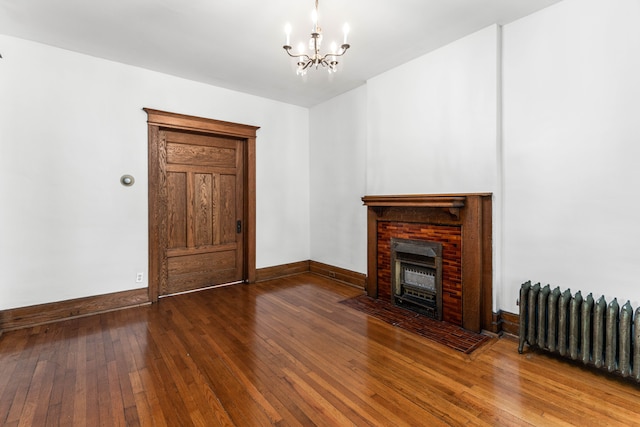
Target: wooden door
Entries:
(204, 207)
(201, 203)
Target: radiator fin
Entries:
(587, 342)
(598, 333)
(611, 346)
(636, 347)
(581, 329)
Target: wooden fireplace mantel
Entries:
(472, 213)
(417, 200)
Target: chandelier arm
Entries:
(344, 48)
(302, 55)
(326, 55)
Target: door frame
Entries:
(160, 120)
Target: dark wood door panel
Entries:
(201, 270)
(199, 138)
(204, 205)
(206, 211)
(228, 208)
(177, 210)
(201, 250)
(195, 155)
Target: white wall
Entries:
(433, 126)
(71, 125)
(556, 141)
(432, 122)
(428, 126)
(337, 152)
(571, 148)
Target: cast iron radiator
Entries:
(594, 333)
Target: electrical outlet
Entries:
(139, 277)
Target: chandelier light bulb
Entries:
(287, 31)
(345, 30)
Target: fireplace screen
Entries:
(419, 277)
(416, 276)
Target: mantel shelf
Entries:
(450, 201)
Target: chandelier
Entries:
(305, 60)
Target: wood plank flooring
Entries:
(285, 352)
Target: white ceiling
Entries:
(237, 44)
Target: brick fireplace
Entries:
(461, 225)
(450, 239)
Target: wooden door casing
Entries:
(201, 182)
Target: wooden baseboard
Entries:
(347, 276)
(505, 322)
(23, 317)
(283, 270)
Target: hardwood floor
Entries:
(285, 352)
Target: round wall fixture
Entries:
(127, 180)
